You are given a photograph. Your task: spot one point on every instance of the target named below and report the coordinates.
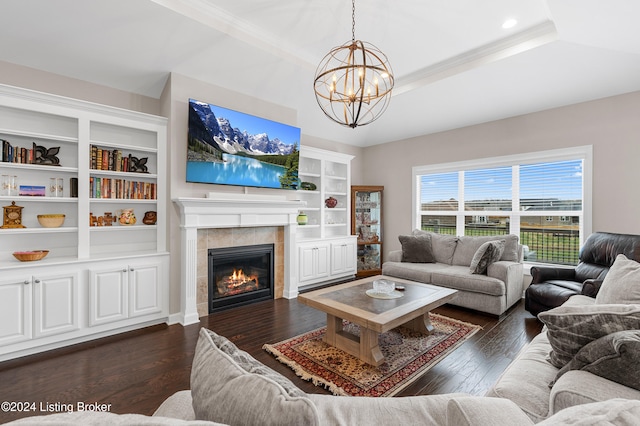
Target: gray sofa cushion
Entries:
(97, 418)
(473, 411)
(618, 412)
(179, 406)
(460, 278)
(615, 357)
(443, 246)
(526, 380)
(622, 282)
(367, 411)
(570, 328)
(578, 387)
(488, 253)
(416, 248)
(229, 386)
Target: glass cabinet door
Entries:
(366, 223)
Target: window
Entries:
(543, 197)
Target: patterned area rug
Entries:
(408, 355)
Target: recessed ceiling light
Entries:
(509, 23)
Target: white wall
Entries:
(610, 125)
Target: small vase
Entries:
(330, 202)
(302, 219)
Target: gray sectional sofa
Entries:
(493, 292)
(527, 381)
(228, 386)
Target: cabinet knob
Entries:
(27, 281)
(37, 281)
(131, 269)
(124, 270)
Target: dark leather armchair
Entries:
(552, 286)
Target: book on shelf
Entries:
(112, 160)
(110, 188)
(16, 154)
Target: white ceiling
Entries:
(454, 64)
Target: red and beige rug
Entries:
(408, 355)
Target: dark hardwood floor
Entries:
(136, 371)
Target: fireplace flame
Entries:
(238, 278)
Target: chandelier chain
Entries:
(353, 20)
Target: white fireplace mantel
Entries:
(221, 210)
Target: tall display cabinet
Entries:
(326, 247)
(101, 275)
(366, 224)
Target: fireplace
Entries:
(240, 275)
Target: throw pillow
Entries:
(442, 246)
(416, 248)
(615, 357)
(569, 328)
(487, 253)
(229, 386)
(622, 282)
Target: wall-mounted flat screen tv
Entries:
(228, 147)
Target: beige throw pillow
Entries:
(230, 386)
(622, 282)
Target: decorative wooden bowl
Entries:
(51, 220)
(28, 256)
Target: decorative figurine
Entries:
(127, 217)
(12, 217)
(150, 218)
(108, 219)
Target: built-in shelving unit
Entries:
(96, 280)
(326, 248)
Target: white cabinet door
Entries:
(15, 310)
(322, 266)
(108, 295)
(56, 304)
(343, 257)
(145, 283)
(313, 262)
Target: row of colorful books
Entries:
(16, 154)
(113, 160)
(121, 188)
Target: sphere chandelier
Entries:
(353, 82)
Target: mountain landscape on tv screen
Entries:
(220, 153)
(232, 140)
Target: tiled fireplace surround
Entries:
(224, 220)
(235, 237)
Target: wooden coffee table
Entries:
(374, 316)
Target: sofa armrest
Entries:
(591, 287)
(177, 406)
(577, 387)
(474, 410)
(512, 274)
(541, 274)
(394, 256)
